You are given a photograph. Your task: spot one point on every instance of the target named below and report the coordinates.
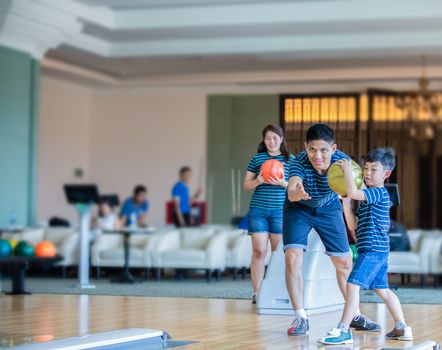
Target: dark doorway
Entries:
(424, 192)
(439, 193)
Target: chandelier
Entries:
(421, 108)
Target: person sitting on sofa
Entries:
(106, 219)
(134, 210)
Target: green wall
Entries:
(234, 127)
(19, 82)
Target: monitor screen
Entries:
(393, 191)
(81, 194)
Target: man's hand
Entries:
(298, 193)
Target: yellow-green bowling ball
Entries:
(335, 177)
(13, 243)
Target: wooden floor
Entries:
(215, 323)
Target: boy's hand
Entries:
(345, 164)
(298, 193)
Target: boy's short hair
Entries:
(384, 155)
(184, 170)
(320, 131)
(139, 189)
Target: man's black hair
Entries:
(320, 131)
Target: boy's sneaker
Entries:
(299, 326)
(400, 334)
(363, 323)
(337, 336)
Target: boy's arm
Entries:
(352, 191)
(350, 217)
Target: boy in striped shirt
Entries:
(372, 222)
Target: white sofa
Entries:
(239, 251)
(212, 248)
(192, 248)
(108, 250)
(419, 259)
(67, 242)
(30, 235)
(436, 256)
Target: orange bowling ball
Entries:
(272, 168)
(45, 249)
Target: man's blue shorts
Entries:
(265, 220)
(370, 271)
(328, 222)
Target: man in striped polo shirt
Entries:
(310, 203)
(372, 222)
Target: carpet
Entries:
(196, 288)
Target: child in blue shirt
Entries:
(372, 222)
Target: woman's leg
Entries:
(274, 240)
(259, 246)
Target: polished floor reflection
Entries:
(216, 323)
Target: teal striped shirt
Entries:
(268, 196)
(374, 221)
(315, 185)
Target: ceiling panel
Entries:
(165, 66)
(150, 38)
(268, 30)
(132, 4)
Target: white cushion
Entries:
(57, 234)
(32, 236)
(139, 241)
(185, 255)
(118, 254)
(195, 239)
(404, 262)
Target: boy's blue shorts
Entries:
(265, 220)
(328, 222)
(370, 271)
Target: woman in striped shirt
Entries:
(266, 205)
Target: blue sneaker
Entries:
(337, 336)
(300, 326)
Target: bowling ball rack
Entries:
(18, 266)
